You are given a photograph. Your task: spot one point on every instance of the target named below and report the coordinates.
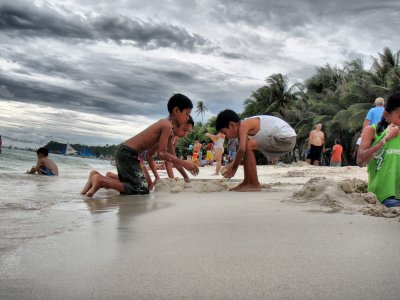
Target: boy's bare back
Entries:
(161, 131)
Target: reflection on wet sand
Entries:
(127, 205)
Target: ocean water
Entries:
(34, 206)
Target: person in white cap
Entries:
(374, 115)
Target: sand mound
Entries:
(197, 186)
(354, 186)
(296, 173)
(347, 195)
(300, 163)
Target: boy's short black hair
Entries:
(180, 101)
(190, 121)
(43, 151)
(224, 117)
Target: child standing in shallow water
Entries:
(270, 135)
(130, 176)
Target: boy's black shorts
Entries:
(129, 171)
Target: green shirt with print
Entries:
(384, 169)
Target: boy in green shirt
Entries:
(380, 150)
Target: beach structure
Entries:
(86, 153)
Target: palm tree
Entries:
(201, 109)
(274, 98)
(386, 61)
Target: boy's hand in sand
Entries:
(392, 132)
(229, 171)
(192, 168)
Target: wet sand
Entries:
(221, 245)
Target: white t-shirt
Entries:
(273, 126)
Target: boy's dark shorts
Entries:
(129, 171)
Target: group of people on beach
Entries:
(215, 150)
(316, 141)
(268, 134)
(379, 149)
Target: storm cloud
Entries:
(27, 20)
(124, 59)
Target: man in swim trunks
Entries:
(44, 165)
(316, 142)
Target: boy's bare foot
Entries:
(96, 185)
(248, 188)
(88, 184)
(238, 186)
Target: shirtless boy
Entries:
(130, 176)
(44, 165)
(316, 143)
(179, 132)
(270, 135)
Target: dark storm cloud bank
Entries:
(128, 90)
(28, 20)
(56, 96)
(25, 20)
(289, 14)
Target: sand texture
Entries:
(304, 236)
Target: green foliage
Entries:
(337, 97)
(198, 133)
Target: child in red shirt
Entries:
(336, 159)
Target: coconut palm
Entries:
(338, 97)
(201, 109)
(275, 98)
(385, 62)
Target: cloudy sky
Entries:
(97, 72)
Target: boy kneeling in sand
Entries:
(131, 179)
(44, 165)
(380, 150)
(270, 135)
(179, 132)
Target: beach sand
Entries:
(301, 237)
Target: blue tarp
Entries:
(86, 152)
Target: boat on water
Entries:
(69, 150)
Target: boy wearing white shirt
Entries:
(268, 134)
